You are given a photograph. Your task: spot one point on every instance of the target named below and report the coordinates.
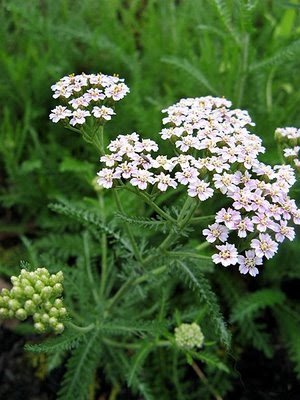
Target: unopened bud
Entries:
(21, 314)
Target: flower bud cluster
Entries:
(290, 138)
(189, 336)
(36, 294)
(215, 154)
(86, 96)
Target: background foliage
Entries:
(245, 50)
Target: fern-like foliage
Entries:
(81, 368)
(290, 331)
(196, 281)
(88, 219)
(251, 303)
(157, 224)
(67, 341)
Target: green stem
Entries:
(196, 220)
(134, 246)
(132, 282)
(151, 203)
(103, 248)
(81, 329)
(189, 255)
(87, 260)
(134, 346)
(183, 219)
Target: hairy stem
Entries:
(87, 260)
(103, 248)
(132, 282)
(146, 198)
(81, 329)
(203, 378)
(134, 246)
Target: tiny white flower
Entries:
(103, 112)
(59, 113)
(164, 181)
(227, 255)
(78, 117)
(141, 178)
(201, 189)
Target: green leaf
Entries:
(251, 303)
(138, 361)
(81, 367)
(193, 71)
(66, 341)
(197, 282)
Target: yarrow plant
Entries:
(215, 154)
(210, 202)
(289, 138)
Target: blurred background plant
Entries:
(247, 51)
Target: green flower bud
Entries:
(5, 300)
(45, 318)
(53, 322)
(3, 313)
(33, 293)
(39, 327)
(62, 312)
(36, 298)
(16, 291)
(58, 289)
(57, 278)
(28, 291)
(21, 314)
(39, 286)
(5, 292)
(29, 306)
(24, 273)
(47, 305)
(36, 317)
(25, 282)
(59, 328)
(58, 303)
(46, 292)
(53, 312)
(14, 280)
(14, 304)
(189, 336)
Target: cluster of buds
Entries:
(36, 294)
(189, 336)
(87, 97)
(290, 139)
(215, 153)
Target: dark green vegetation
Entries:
(247, 51)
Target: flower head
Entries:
(36, 294)
(248, 263)
(189, 336)
(227, 255)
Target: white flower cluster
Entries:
(85, 96)
(291, 137)
(215, 154)
(189, 336)
(35, 294)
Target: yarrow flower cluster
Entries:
(290, 137)
(189, 336)
(216, 153)
(85, 96)
(36, 294)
